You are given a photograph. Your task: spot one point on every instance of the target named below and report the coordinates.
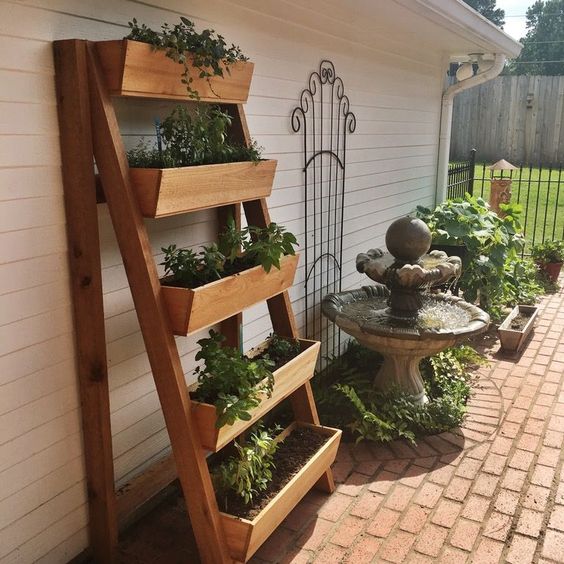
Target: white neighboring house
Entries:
(392, 56)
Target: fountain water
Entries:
(399, 317)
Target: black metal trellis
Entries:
(324, 119)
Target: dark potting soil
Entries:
(289, 459)
(520, 320)
(280, 359)
(236, 267)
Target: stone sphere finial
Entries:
(408, 239)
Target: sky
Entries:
(515, 26)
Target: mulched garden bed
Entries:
(289, 459)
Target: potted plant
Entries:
(146, 63)
(234, 391)
(193, 165)
(549, 256)
(489, 242)
(516, 328)
(200, 289)
(266, 478)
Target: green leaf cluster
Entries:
(249, 470)
(230, 381)
(192, 139)
(235, 250)
(491, 241)
(210, 54)
(346, 397)
(547, 252)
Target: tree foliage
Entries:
(543, 42)
(488, 9)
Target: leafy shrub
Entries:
(230, 381)
(385, 416)
(249, 471)
(521, 282)
(210, 53)
(260, 246)
(184, 139)
(491, 242)
(548, 252)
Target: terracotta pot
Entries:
(552, 270)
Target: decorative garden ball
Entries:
(408, 239)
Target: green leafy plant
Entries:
(205, 54)
(230, 381)
(235, 251)
(346, 396)
(492, 241)
(522, 284)
(548, 252)
(192, 139)
(249, 470)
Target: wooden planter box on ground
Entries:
(288, 378)
(168, 191)
(191, 310)
(133, 68)
(513, 340)
(244, 537)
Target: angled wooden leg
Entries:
(283, 323)
(86, 286)
(153, 318)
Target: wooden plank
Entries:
(283, 323)
(191, 310)
(163, 192)
(133, 68)
(86, 287)
(159, 341)
(131, 496)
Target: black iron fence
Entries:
(540, 191)
(461, 177)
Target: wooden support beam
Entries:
(161, 348)
(86, 286)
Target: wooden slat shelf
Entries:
(135, 69)
(87, 75)
(287, 378)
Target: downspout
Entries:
(446, 120)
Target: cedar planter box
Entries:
(513, 340)
(168, 191)
(191, 310)
(287, 379)
(134, 68)
(244, 537)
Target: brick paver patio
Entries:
(492, 491)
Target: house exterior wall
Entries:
(391, 168)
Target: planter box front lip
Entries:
(119, 83)
(182, 302)
(192, 167)
(334, 436)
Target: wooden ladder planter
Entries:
(287, 379)
(244, 537)
(191, 310)
(168, 191)
(87, 74)
(134, 68)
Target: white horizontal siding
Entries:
(391, 162)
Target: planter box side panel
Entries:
(288, 378)
(151, 74)
(219, 300)
(169, 191)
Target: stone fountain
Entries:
(400, 316)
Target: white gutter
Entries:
(446, 120)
